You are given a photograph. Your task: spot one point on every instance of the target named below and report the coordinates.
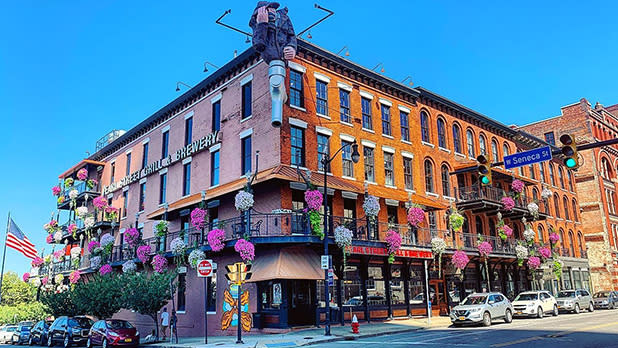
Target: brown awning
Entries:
(287, 263)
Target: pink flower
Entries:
(100, 202)
(60, 199)
(105, 269)
(508, 203)
(37, 261)
(82, 174)
(143, 253)
(215, 239)
(314, 199)
(246, 249)
(49, 239)
(534, 262)
(545, 252)
(45, 280)
(56, 190)
(517, 186)
(507, 230)
(198, 218)
(485, 248)
(59, 254)
(393, 241)
(159, 263)
(554, 237)
(72, 228)
(460, 259)
(111, 210)
(75, 275)
(131, 236)
(26, 277)
(93, 245)
(416, 215)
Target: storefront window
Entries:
(397, 287)
(566, 280)
(352, 295)
(332, 294)
(376, 287)
(586, 280)
(577, 279)
(271, 295)
(417, 287)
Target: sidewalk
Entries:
(304, 337)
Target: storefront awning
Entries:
(287, 263)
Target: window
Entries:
(570, 180)
(424, 127)
(125, 202)
(216, 116)
(565, 203)
(561, 177)
(128, 169)
(386, 119)
(478, 224)
(113, 170)
(211, 297)
(483, 145)
(246, 100)
(470, 143)
(162, 187)
(349, 210)
(389, 177)
(531, 170)
(551, 174)
(505, 150)
(575, 210)
(321, 91)
(165, 142)
(446, 182)
(539, 233)
(542, 172)
(142, 196)
(571, 244)
(494, 150)
(407, 173)
(181, 299)
(366, 111)
(557, 205)
(297, 97)
(535, 194)
(297, 141)
(456, 139)
(368, 159)
(441, 133)
(580, 242)
(214, 168)
(144, 155)
(550, 139)
(323, 151)
(245, 156)
(405, 127)
(428, 176)
(186, 183)
(606, 171)
(346, 158)
(344, 106)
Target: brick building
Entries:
(416, 147)
(596, 177)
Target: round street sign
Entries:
(204, 268)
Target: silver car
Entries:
(574, 301)
(482, 308)
(606, 299)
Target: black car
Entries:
(38, 333)
(69, 331)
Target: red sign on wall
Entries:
(409, 253)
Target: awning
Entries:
(286, 263)
(500, 173)
(404, 196)
(79, 166)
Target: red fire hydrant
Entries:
(355, 324)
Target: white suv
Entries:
(535, 304)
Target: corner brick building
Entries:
(595, 179)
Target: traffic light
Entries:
(484, 170)
(569, 150)
(232, 273)
(238, 273)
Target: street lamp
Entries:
(325, 162)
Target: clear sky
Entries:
(70, 71)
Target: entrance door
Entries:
(439, 306)
(302, 307)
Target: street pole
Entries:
(239, 321)
(8, 221)
(205, 310)
(427, 296)
(326, 287)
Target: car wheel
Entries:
(555, 313)
(486, 319)
(539, 312)
(590, 307)
(508, 316)
(30, 341)
(50, 342)
(88, 343)
(104, 343)
(67, 341)
(576, 308)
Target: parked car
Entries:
(606, 299)
(21, 335)
(113, 332)
(574, 300)
(38, 333)
(482, 308)
(69, 331)
(535, 304)
(6, 334)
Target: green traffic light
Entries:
(485, 180)
(570, 163)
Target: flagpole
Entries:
(8, 221)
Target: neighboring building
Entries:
(595, 179)
(416, 147)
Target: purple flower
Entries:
(82, 174)
(56, 190)
(100, 202)
(131, 236)
(416, 215)
(246, 249)
(393, 241)
(49, 239)
(554, 237)
(75, 275)
(534, 262)
(198, 218)
(159, 263)
(517, 186)
(314, 199)
(508, 203)
(105, 269)
(485, 248)
(143, 253)
(545, 252)
(460, 259)
(26, 277)
(215, 239)
(93, 245)
(37, 261)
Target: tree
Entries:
(101, 296)
(25, 311)
(16, 291)
(147, 293)
(60, 303)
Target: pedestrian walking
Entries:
(165, 322)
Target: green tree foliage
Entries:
(25, 311)
(101, 296)
(60, 304)
(15, 291)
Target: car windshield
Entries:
(118, 324)
(601, 294)
(80, 322)
(11, 328)
(527, 297)
(474, 300)
(566, 294)
(24, 328)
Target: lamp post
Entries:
(325, 162)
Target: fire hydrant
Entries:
(355, 324)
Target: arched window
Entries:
(556, 205)
(446, 181)
(470, 142)
(571, 244)
(441, 133)
(575, 210)
(580, 242)
(606, 170)
(542, 172)
(532, 172)
(424, 127)
(551, 174)
(505, 150)
(562, 240)
(539, 234)
(561, 177)
(535, 194)
(482, 145)
(516, 234)
(565, 203)
(492, 228)
(456, 139)
(479, 225)
(494, 151)
(428, 176)
(570, 178)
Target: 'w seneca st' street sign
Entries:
(528, 157)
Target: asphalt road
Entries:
(586, 330)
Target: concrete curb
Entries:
(355, 337)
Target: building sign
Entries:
(180, 154)
(409, 253)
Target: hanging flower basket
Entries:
(522, 253)
(505, 231)
(195, 256)
(131, 237)
(105, 269)
(438, 246)
(94, 247)
(314, 199)
(198, 218)
(73, 194)
(25, 277)
(460, 259)
(529, 235)
(416, 215)
(485, 248)
(557, 268)
(74, 277)
(143, 253)
(246, 250)
(534, 262)
(554, 237)
(160, 229)
(343, 239)
(315, 221)
(456, 220)
(507, 203)
(68, 182)
(56, 190)
(215, 239)
(533, 209)
(545, 252)
(95, 262)
(517, 186)
(129, 267)
(371, 206)
(243, 201)
(393, 243)
(81, 212)
(546, 193)
(159, 263)
(82, 174)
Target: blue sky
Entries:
(72, 71)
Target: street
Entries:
(585, 330)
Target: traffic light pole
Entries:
(239, 321)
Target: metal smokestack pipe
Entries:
(276, 75)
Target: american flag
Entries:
(17, 240)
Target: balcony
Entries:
(102, 222)
(83, 191)
(56, 267)
(488, 200)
